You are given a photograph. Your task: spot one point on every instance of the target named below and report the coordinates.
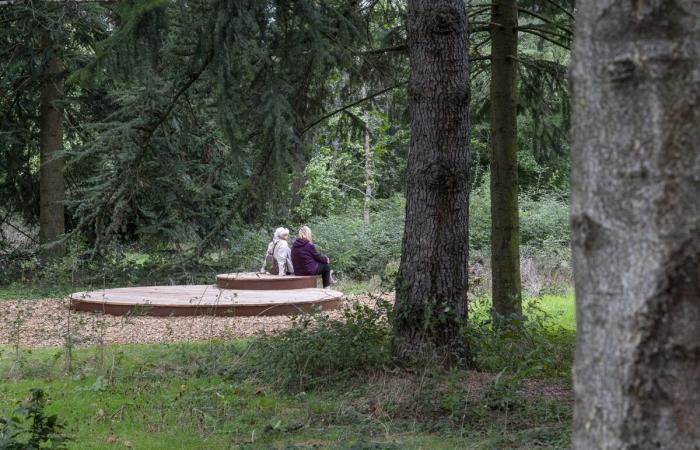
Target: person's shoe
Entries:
(333, 281)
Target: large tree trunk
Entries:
(505, 230)
(431, 290)
(636, 224)
(51, 181)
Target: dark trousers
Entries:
(325, 271)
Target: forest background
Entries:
(189, 134)
(177, 135)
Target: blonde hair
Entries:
(305, 233)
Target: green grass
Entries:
(192, 396)
(561, 309)
(209, 396)
(22, 292)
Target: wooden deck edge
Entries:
(282, 309)
(266, 284)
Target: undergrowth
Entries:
(321, 375)
(319, 350)
(533, 345)
(30, 428)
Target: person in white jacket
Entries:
(280, 251)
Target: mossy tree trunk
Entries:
(431, 291)
(636, 224)
(51, 179)
(505, 229)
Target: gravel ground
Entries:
(44, 323)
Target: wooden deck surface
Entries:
(264, 281)
(203, 299)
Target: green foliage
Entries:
(27, 28)
(318, 350)
(357, 249)
(343, 140)
(185, 394)
(320, 194)
(30, 428)
(544, 222)
(479, 219)
(531, 346)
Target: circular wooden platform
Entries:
(264, 281)
(197, 300)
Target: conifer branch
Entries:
(545, 37)
(561, 8)
(567, 30)
(22, 232)
(191, 78)
(350, 105)
(396, 48)
(149, 130)
(543, 30)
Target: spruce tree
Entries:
(431, 289)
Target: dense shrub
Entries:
(360, 250)
(544, 222)
(318, 350)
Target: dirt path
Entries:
(45, 323)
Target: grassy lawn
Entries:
(172, 396)
(21, 292)
(561, 308)
(204, 396)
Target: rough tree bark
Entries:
(369, 173)
(431, 290)
(51, 180)
(505, 229)
(636, 224)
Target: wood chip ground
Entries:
(46, 322)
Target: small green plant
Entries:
(502, 393)
(30, 428)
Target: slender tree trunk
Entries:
(300, 159)
(636, 225)
(505, 229)
(51, 181)
(431, 290)
(369, 176)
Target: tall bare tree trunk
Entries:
(369, 175)
(636, 224)
(431, 290)
(505, 229)
(51, 180)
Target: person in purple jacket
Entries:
(307, 260)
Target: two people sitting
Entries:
(301, 259)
